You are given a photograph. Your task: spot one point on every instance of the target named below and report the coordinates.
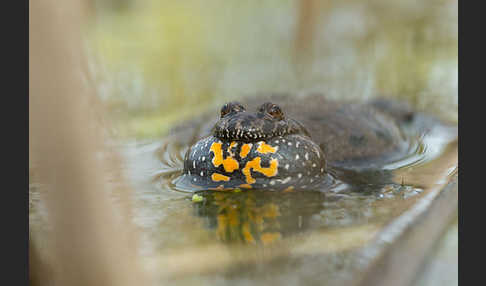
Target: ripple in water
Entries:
(353, 197)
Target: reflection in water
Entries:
(263, 217)
(258, 216)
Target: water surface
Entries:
(252, 235)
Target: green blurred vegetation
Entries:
(157, 62)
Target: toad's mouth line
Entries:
(241, 135)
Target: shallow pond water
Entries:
(249, 235)
(263, 237)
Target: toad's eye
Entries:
(224, 110)
(231, 107)
(273, 110)
(276, 112)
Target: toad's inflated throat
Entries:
(254, 150)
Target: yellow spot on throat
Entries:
(218, 177)
(246, 186)
(229, 163)
(255, 164)
(264, 148)
(245, 149)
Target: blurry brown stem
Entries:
(308, 15)
(306, 22)
(91, 246)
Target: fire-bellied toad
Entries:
(284, 143)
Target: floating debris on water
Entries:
(197, 198)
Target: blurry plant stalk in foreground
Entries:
(88, 243)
